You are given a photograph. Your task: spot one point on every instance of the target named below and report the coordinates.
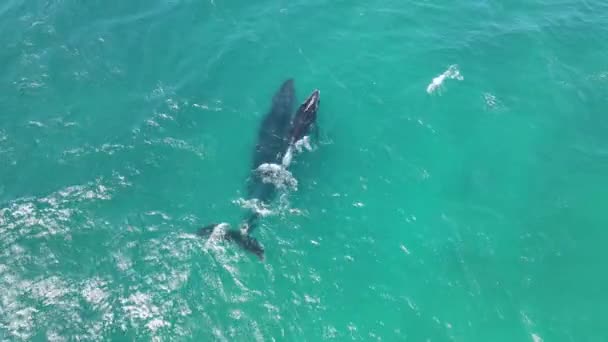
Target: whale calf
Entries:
(305, 118)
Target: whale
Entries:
(271, 143)
(304, 119)
(299, 126)
(278, 132)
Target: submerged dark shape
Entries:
(271, 134)
(271, 144)
(276, 138)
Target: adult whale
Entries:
(270, 146)
(276, 135)
(304, 118)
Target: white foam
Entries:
(287, 157)
(303, 143)
(94, 292)
(277, 175)
(298, 146)
(139, 306)
(451, 73)
(254, 205)
(219, 230)
(157, 323)
(123, 263)
(213, 243)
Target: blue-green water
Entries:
(474, 211)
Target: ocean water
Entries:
(457, 192)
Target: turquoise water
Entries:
(473, 210)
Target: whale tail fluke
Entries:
(241, 238)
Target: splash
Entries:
(213, 243)
(452, 73)
(254, 205)
(277, 175)
(287, 157)
(303, 143)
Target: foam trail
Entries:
(452, 73)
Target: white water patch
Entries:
(287, 157)
(50, 291)
(95, 292)
(35, 123)
(218, 231)
(278, 175)
(214, 243)
(139, 308)
(70, 306)
(298, 146)
(303, 143)
(53, 214)
(22, 299)
(254, 205)
(451, 73)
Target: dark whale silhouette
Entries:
(277, 133)
(305, 118)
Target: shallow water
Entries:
(463, 207)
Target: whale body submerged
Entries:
(278, 133)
